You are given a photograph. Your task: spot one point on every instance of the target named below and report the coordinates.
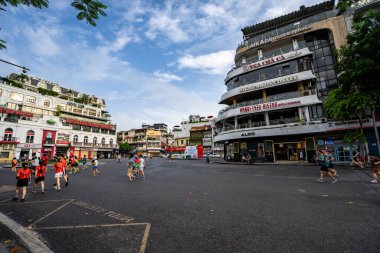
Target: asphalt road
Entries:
(192, 206)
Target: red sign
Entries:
(263, 63)
(267, 106)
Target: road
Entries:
(192, 206)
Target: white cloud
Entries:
(167, 76)
(42, 40)
(214, 63)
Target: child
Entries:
(84, 161)
(130, 168)
(95, 167)
(39, 177)
(58, 173)
(13, 164)
(23, 177)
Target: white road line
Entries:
(93, 226)
(145, 238)
(47, 215)
(32, 202)
(30, 239)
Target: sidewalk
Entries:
(298, 163)
(9, 242)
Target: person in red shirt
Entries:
(23, 177)
(58, 166)
(65, 170)
(39, 177)
(13, 164)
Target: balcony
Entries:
(10, 140)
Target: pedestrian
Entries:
(14, 164)
(331, 159)
(76, 164)
(23, 176)
(130, 168)
(118, 160)
(39, 177)
(374, 162)
(95, 167)
(58, 166)
(136, 162)
(142, 167)
(356, 159)
(68, 165)
(323, 157)
(65, 170)
(84, 162)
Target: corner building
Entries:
(282, 74)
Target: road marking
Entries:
(47, 215)
(145, 238)
(106, 212)
(32, 202)
(31, 239)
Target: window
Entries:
(103, 141)
(111, 141)
(4, 154)
(75, 139)
(95, 140)
(85, 139)
(46, 103)
(30, 99)
(30, 136)
(57, 89)
(8, 134)
(16, 96)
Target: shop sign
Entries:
(16, 112)
(329, 142)
(63, 138)
(248, 134)
(320, 142)
(28, 145)
(274, 38)
(90, 124)
(273, 82)
(268, 106)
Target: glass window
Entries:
(95, 140)
(103, 141)
(16, 96)
(111, 141)
(75, 139)
(30, 99)
(85, 139)
(8, 134)
(46, 103)
(30, 136)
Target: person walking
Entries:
(130, 168)
(65, 170)
(58, 166)
(118, 160)
(142, 167)
(39, 177)
(14, 164)
(23, 176)
(84, 162)
(356, 159)
(374, 162)
(331, 159)
(95, 170)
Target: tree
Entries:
(89, 10)
(358, 91)
(124, 147)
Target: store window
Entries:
(75, 139)
(30, 136)
(85, 139)
(8, 134)
(95, 141)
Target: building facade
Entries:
(39, 116)
(283, 71)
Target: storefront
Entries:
(62, 144)
(48, 143)
(28, 150)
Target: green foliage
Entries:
(343, 5)
(353, 137)
(47, 92)
(12, 82)
(89, 10)
(124, 146)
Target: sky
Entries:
(152, 61)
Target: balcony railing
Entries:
(283, 121)
(8, 139)
(88, 144)
(279, 97)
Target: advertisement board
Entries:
(63, 139)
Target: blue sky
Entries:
(152, 61)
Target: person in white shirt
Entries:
(142, 167)
(95, 167)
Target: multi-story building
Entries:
(182, 132)
(283, 71)
(201, 135)
(39, 116)
(147, 140)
